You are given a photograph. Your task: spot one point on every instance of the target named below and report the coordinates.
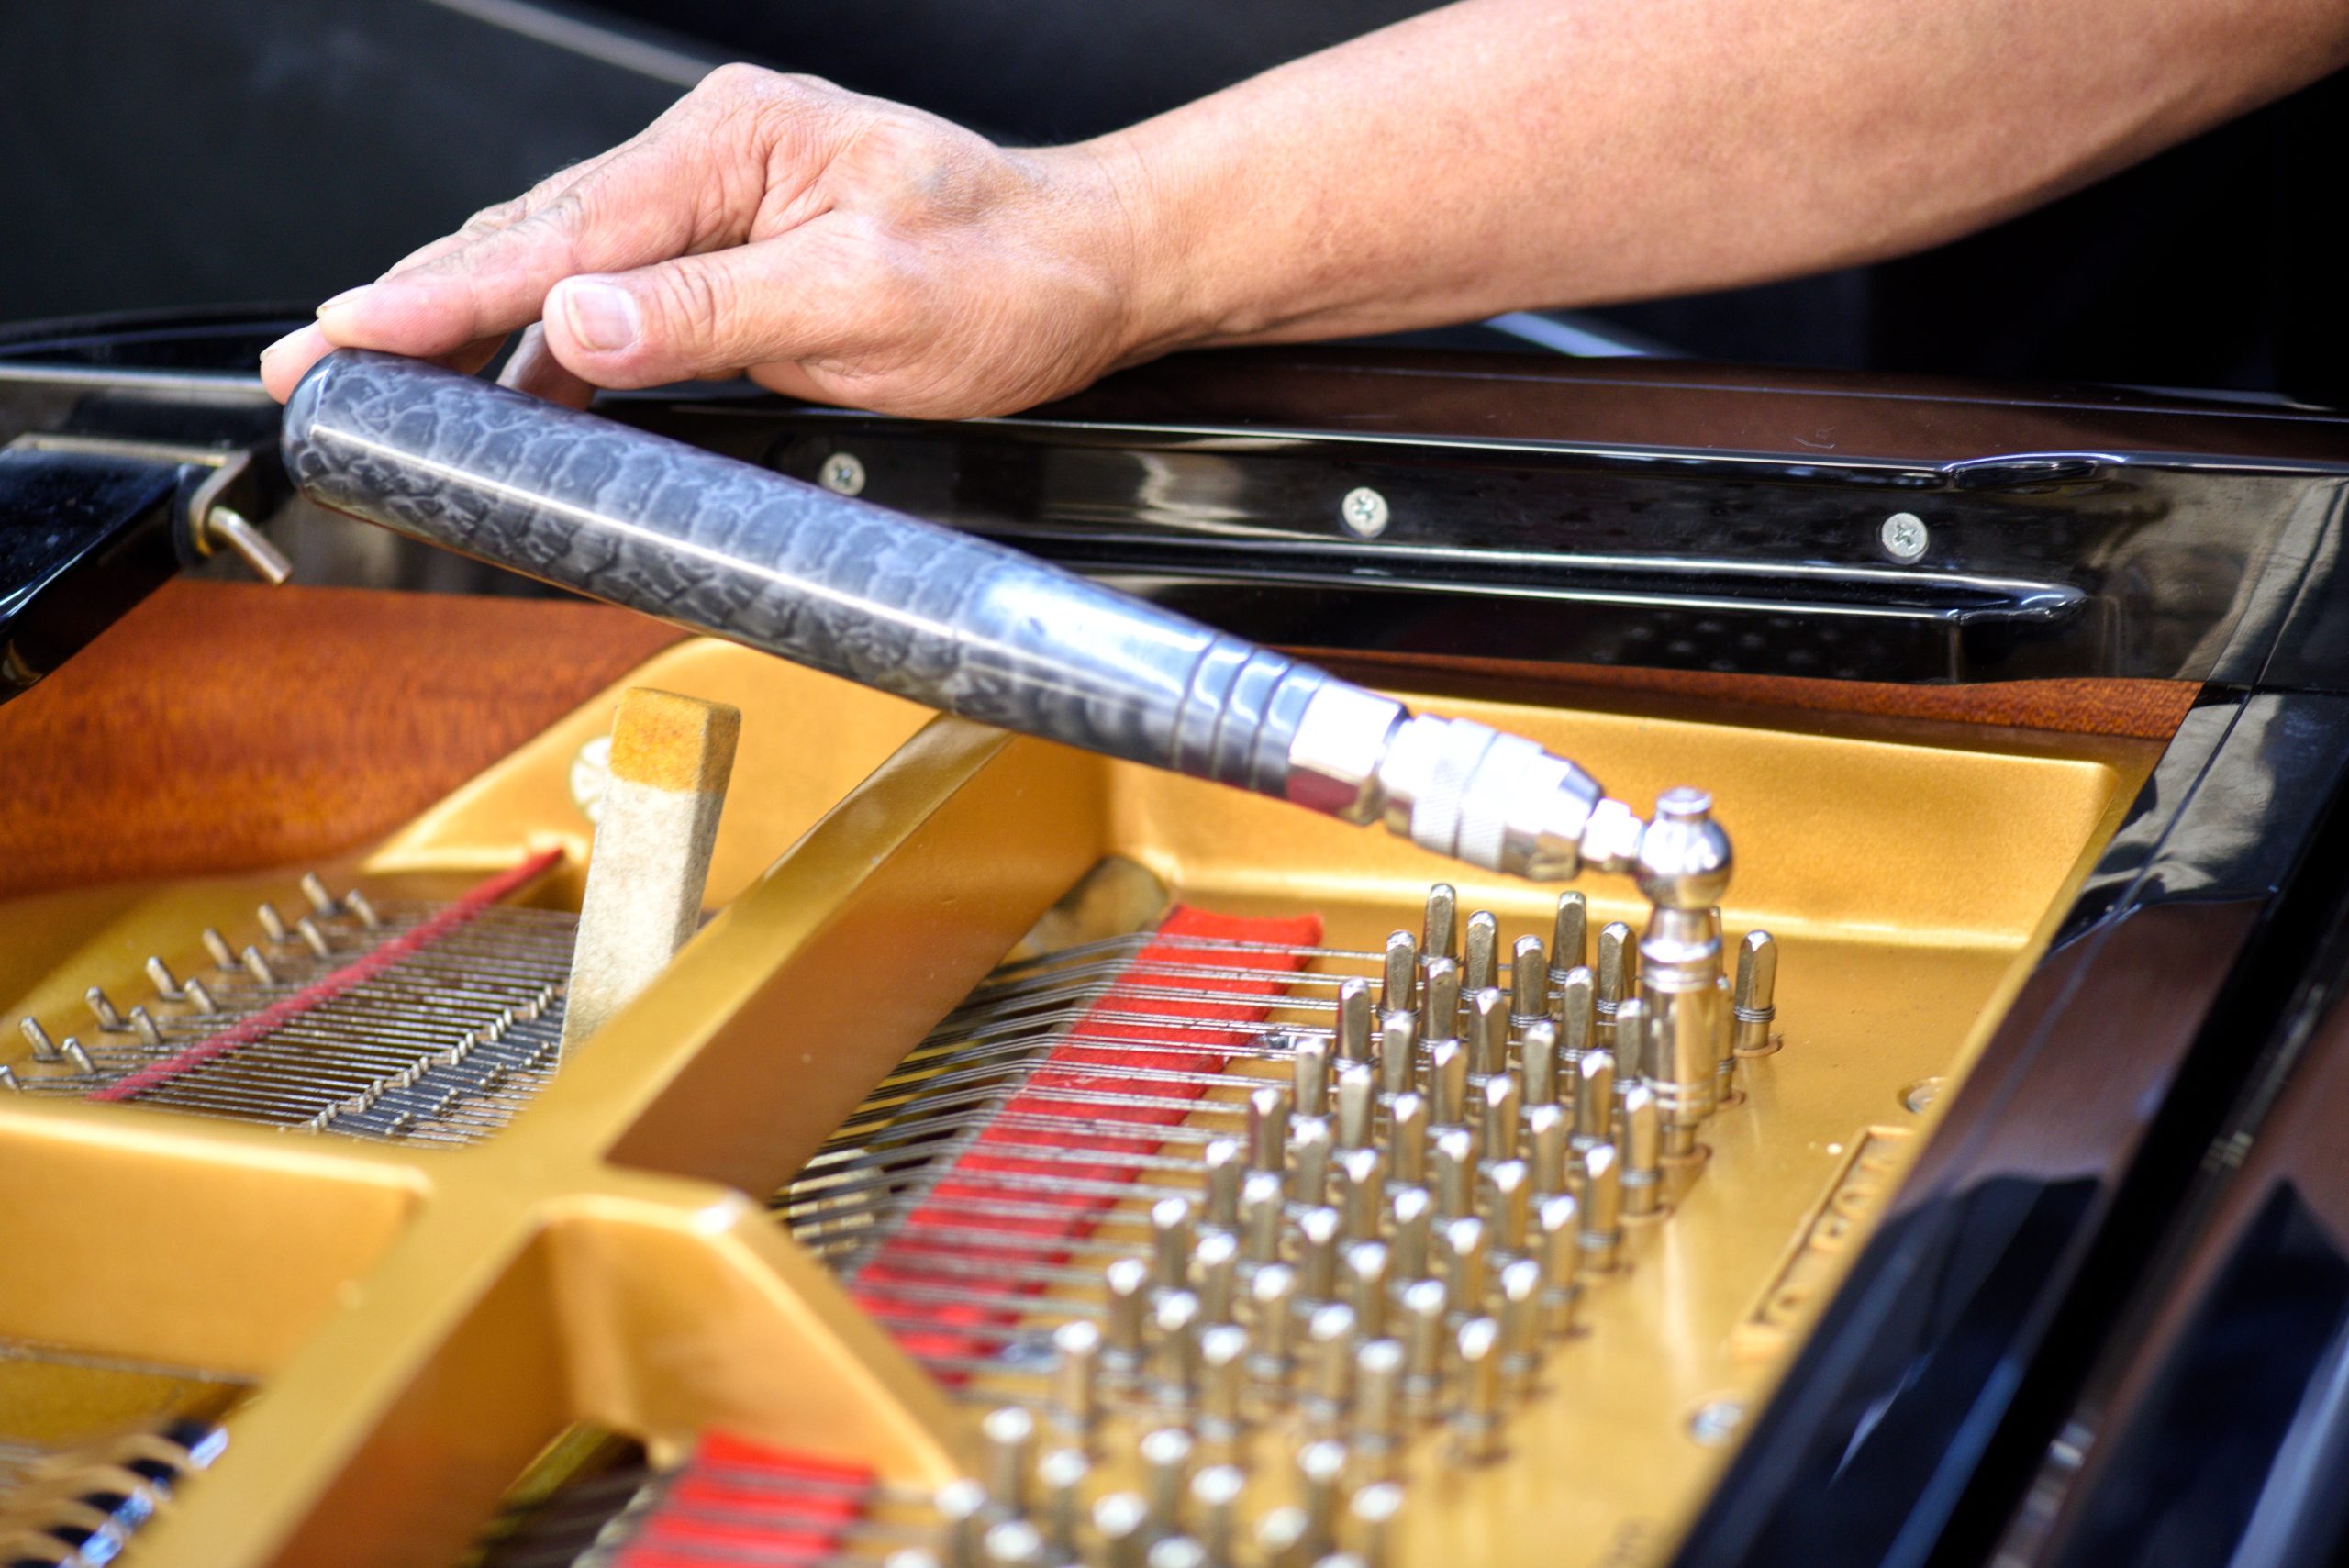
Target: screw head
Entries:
(1904, 536)
(1364, 512)
(843, 474)
(1716, 1421)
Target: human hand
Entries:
(834, 247)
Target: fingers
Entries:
(284, 362)
(535, 370)
(778, 300)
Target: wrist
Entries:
(1148, 260)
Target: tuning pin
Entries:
(1546, 1133)
(44, 1048)
(160, 975)
(1520, 1293)
(1121, 1526)
(1406, 1138)
(1509, 1196)
(1477, 1419)
(1127, 1280)
(223, 955)
(272, 923)
(199, 995)
(1423, 1310)
(1480, 963)
(1311, 1146)
(1577, 1020)
(143, 1025)
(1529, 983)
(1063, 1473)
(1500, 1117)
(1756, 999)
(1331, 1336)
(1602, 1209)
(1465, 1250)
(1487, 1034)
(1538, 1059)
(1357, 1106)
(1374, 1509)
(1594, 1098)
(1398, 1050)
(1223, 1385)
(1362, 1192)
(1378, 1407)
(1398, 985)
(1454, 1165)
(1225, 1161)
(321, 901)
(313, 937)
(1407, 1252)
(1633, 1059)
(1642, 1154)
(1215, 1275)
(1214, 1507)
(1317, 1231)
(1448, 1083)
(1437, 933)
(962, 1507)
(1010, 1436)
(1321, 1472)
(9, 1079)
(75, 1057)
(1568, 944)
(1271, 1292)
(102, 1010)
(1365, 1281)
(356, 902)
(1439, 1001)
(258, 966)
(1268, 1113)
(1310, 1074)
(1614, 979)
(1263, 1201)
(1557, 1234)
(1172, 1238)
(1175, 1356)
(1281, 1539)
(1165, 1457)
(1076, 1392)
(1352, 1032)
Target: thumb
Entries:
(703, 316)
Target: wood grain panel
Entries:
(224, 727)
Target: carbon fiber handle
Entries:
(905, 607)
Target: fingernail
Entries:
(604, 319)
(282, 342)
(345, 297)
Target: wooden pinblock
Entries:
(671, 759)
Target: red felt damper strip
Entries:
(468, 907)
(1224, 1005)
(740, 1502)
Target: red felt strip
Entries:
(742, 1502)
(927, 1232)
(358, 971)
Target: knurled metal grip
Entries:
(922, 611)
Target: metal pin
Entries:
(1577, 1026)
(1594, 1098)
(272, 923)
(1476, 1422)
(1613, 980)
(1374, 1509)
(1223, 1385)
(142, 1023)
(1568, 939)
(1437, 938)
(1316, 1253)
(1120, 1523)
(1756, 1003)
(1013, 1543)
(1406, 1138)
(1128, 1282)
(160, 975)
(356, 902)
(1320, 1471)
(963, 1509)
(1268, 1111)
(1538, 1056)
(1175, 1359)
(1362, 1192)
(1329, 1387)
(1521, 1287)
(1311, 1146)
(911, 1557)
(1725, 1076)
(1075, 1398)
(1409, 1242)
(1466, 1253)
(1271, 1294)
(1509, 1196)
(1172, 1238)
(1281, 1539)
(313, 937)
(218, 946)
(75, 1057)
(44, 1048)
(1398, 1050)
(9, 1079)
(1634, 1058)
(1454, 1168)
(1448, 1082)
(1063, 1473)
(1440, 1003)
(1378, 1406)
(1215, 1275)
(1365, 1271)
(315, 892)
(1480, 964)
(1642, 1154)
(102, 1010)
(1166, 1475)
(259, 967)
(1353, 1020)
(1602, 1209)
(199, 995)
(1502, 1130)
(1357, 1106)
(1263, 1200)
(1214, 1507)
(1398, 988)
(1546, 1131)
(1225, 1161)
(1310, 1074)
(1487, 1033)
(1422, 1308)
(1558, 1233)
(1010, 1434)
(1529, 981)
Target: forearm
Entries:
(1499, 154)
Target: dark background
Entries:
(163, 154)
